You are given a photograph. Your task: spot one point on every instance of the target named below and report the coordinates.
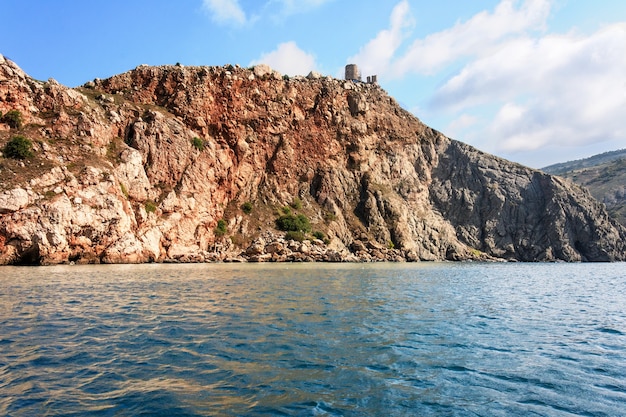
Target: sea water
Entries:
(429, 339)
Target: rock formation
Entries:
(604, 175)
(196, 164)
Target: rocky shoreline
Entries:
(272, 247)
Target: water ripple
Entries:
(302, 340)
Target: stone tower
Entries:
(352, 72)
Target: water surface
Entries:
(315, 339)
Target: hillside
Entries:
(605, 177)
(194, 164)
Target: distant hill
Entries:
(604, 175)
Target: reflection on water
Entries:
(353, 340)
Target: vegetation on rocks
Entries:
(150, 207)
(247, 207)
(293, 223)
(13, 118)
(198, 143)
(18, 147)
(221, 229)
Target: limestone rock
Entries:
(261, 70)
(314, 75)
(13, 200)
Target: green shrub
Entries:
(295, 235)
(291, 223)
(150, 206)
(296, 203)
(221, 228)
(319, 235)
(13, 118)
(247, 207)
(18, 147)
(197, 143)
(286, 210)
(329, 217)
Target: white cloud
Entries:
(230, 12)
(226, 11)
(568, 90)
(514, 87)
(376, 56)
(290, 7)
(288, 58)
(477, 36)
(461, 123)
(480, 34)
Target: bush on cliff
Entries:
(18, 147)
(296, 203)
(247, 207)
(291, 223)
(221, 228)
(198, 143)
(13, 118)
(297, 236)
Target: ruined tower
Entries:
(352, 72)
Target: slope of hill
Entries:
(191, 164)
(605, 177)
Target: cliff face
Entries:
(155, 165)
(604, 175)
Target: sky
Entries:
(534, 81)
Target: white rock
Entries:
(261, 69)
(13, 200)
(132, 174)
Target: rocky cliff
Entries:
(187, 164)
(604, 175)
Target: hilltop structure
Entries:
(353, 73)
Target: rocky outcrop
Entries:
(194, 164)
(511, 212)
(604, 175)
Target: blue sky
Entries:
(534, 81)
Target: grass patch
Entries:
(329, 217)
(295, 235)
(124, 190)
(296, 203)
(150, 206)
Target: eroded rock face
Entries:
(140, 167)
(511, 212)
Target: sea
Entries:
(385, 339)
